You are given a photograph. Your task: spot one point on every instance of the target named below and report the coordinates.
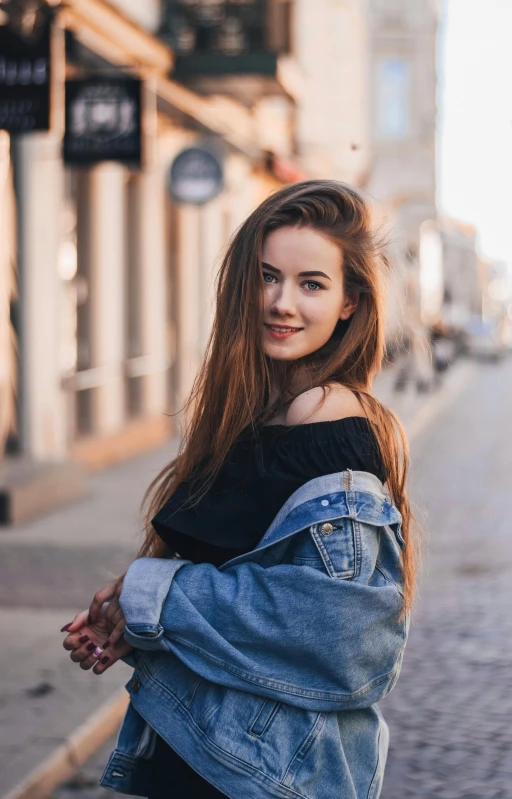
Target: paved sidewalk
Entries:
(49, 569)
(43, 698)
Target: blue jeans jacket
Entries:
(264, 673)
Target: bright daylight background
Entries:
(475, 166)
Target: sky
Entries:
(475, 120)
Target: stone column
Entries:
(147, 249)
(189, 294)
(7, 270)
(38, 185)
(212, 251)
(101, 230)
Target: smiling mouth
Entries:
(283, 328)
(282, 331)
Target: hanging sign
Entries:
(195, 176)
(25, 79)
(228, 28)
(103, 120)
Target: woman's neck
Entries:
(288, 382)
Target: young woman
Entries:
(268, 610)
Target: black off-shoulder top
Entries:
(262, 471)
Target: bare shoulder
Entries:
(317, 405)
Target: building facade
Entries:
(462, 274)
(107, 292)
(403, 103)
(331, 45)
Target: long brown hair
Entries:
(232, 389)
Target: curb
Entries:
(77, 748)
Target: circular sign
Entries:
(195, 176)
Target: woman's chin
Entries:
(282, 352)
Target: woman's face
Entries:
(304, 298)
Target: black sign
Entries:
(103, 120)
(221, 27)
(195, 176)
(25, 79)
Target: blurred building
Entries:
(331, 45)
(112, 305)
(496, 290)
(115, 278)
(114, 275)
(461, 271)
(403, 113)
(457, 284)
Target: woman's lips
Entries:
(281, 331)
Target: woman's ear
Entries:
(350, 304)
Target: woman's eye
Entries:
(268, 275)
(313, 285)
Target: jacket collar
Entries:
(349, 494)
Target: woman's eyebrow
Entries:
(301, 274)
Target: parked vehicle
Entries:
(483, 339)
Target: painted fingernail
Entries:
(66, 627)
(104, 660)
(97, 652)
(90, 646)
(83, 639)
(107, 643)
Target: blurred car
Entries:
(483, 339)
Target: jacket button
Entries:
(327, 528)
(135, 686)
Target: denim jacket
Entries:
(264, 674)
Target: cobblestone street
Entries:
(449, 715)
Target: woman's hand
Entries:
(87, 644)
(100, 628)
(113, 613)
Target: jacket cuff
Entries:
(145, 587)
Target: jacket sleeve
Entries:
(289, 632)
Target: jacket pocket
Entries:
(304, 551)
(206, 699)
(264, 717)
(339, 546)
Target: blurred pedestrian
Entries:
(414, 364)
(268, 609)
(443, 350)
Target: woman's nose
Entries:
(283, 302)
